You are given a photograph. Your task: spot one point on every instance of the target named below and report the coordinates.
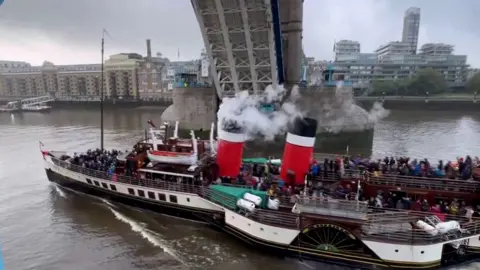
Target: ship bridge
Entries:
(243, 40)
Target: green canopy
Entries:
(262, 161)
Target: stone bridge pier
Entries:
(194, 108)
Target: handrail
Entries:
(152, 183)
(269, 217)
(399, 226)
(347, 209)
(400, 180)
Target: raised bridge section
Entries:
(251, 43)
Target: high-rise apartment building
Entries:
(411, 27)
(436, 49)
(394, 48)
(346, 47)
(395, 60)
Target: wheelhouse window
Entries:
(113, 187)
(162, 197)
(141, 193)
(104, 185)
(151, 195)
(173, 199)
(89, 181)
(131, 191)
(96, 183)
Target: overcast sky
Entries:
(69, 32)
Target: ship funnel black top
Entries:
(231, 126)
(304, 127)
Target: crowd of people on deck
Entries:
(265, 177)
(461, 169)
(97, 159)
(442, 206)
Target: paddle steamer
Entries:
(313, 229)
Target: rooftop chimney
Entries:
(149, 50)
(149, 67)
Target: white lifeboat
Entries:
(172, 157)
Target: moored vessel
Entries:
(309, 228)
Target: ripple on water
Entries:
(41, 229)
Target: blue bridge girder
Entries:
(246, 42)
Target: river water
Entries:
(46, 227)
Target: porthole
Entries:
(422, 252)
(396, 250)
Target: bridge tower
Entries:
(250, 44)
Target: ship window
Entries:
(131, 191)
(113, 187)
(396, 250)
(173, 199)
(96, 183)
(151, 195)
(162, 197)
(422, 252)
(188, 199)
(104, 185)
(141, 193)
(89, 181)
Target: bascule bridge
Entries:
(250, 44)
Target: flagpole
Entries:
(101, 94)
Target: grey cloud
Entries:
(171, 24)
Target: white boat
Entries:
(172, 157)
(173, 150)
(37, 108)
(6, 109)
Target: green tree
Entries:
(380, 88)
(426, 81)
(473, 84)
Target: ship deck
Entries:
(399, 227)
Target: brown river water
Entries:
(44, 227)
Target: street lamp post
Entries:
(426, 96)
(475, 97)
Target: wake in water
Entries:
(60, 191)
(147, 234)
(108, 203)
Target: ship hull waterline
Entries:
(311, 259)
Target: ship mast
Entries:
(101, 93)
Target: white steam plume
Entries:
(340, 113)
(244, 113)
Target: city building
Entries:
(411, 27)
(472, 72)
(395, 60)
(126, 76)
(436, 49)
(5, 65)
(346, 47)
(394, 48)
